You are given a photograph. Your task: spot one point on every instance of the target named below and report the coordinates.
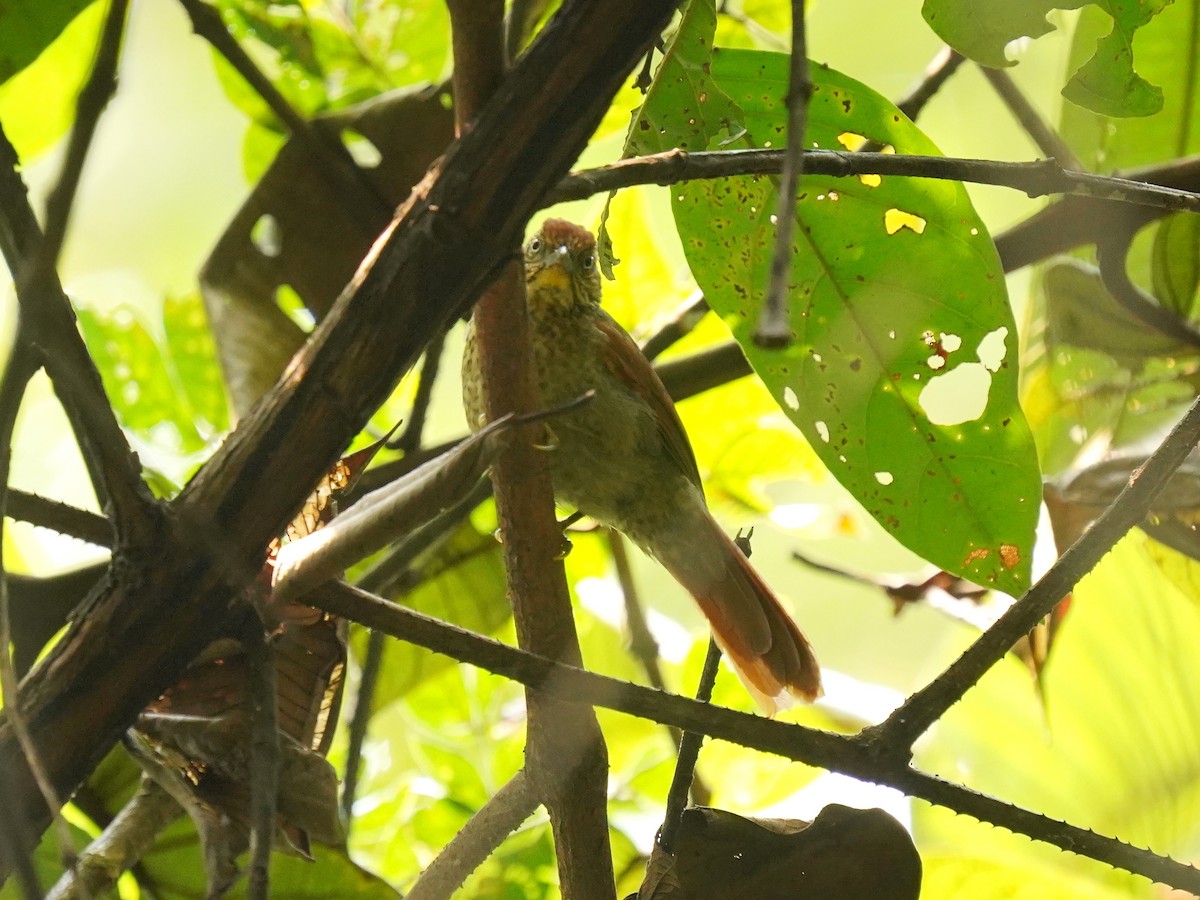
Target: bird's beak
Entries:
(557, 270)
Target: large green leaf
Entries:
(27, 27)
(1113, 748)
(1106, 82)
(902, 371)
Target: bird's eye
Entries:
(535, 244)
(588, 262)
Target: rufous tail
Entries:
(766, 648)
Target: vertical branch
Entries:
(359, 721)
(774, 328)
(689, 753)
(566, 758)
(264, 754)
(18, 370)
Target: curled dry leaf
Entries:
(845, 853)
(297, 233)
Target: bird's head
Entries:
(560, 265)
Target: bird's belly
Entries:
(609, 463)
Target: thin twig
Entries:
(124, 840)
(332, 159)
(682, 322)
(937, 73)
(264, 755)
(814, 747)
(19, 369)
(50, 320)
(641, 641)
(1039, 178)
(689, 753)
(360, 721)
(774, 326)
(1038, 129)
(1111, 254)
(414, 429)
(900, 730)
(501, 815)
(58, 516)
(93, 98)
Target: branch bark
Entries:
(566, 758)
(158, 608)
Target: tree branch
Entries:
(774, 328)
(1036, 179)
(937, 73)
(330, 157)
(896, 735)
(1039, 131)
(565, 754)
(163, 606)
(499, 817)
(835, 752)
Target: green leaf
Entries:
(1175, 266)
(981, 29)
(1166, 49)
(164, 388)
(37, 104)
(902, 374)
(1106, 83)
(27, 27)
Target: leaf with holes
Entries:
(1105, 83)
(902, 372)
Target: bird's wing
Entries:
(623, 358)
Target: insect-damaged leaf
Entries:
(902, 370)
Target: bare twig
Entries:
(360, 720)
(774, 326)
(49, 320)
(641, 641)
(19, 369)
(93, 98)
(937, 73)
(1037, 179)
(689, 753)
(501, 815)
(1038, 129)
(685, 318)
(264, 754)
(122, 843)
(410, 439)
(1111, 254)
(895, 736)
(565, 752)
(812, 746)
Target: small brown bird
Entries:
(624, 459)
